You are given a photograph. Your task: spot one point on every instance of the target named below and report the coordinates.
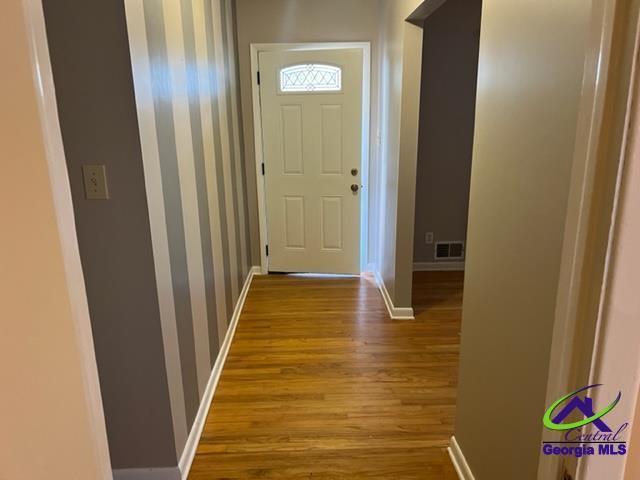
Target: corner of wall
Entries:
(396, 313)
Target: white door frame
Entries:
(256, 48)
(578, 319)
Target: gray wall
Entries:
(447, 113)
(183, 55)
(94, 87)
(166, 256)
(529, 84)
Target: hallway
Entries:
(319, 382)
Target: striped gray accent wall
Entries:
(184, 67)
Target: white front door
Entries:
(311, 103)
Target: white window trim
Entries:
(308, 88)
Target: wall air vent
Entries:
(449, 250)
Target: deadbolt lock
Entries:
(354, 171)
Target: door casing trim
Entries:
(601, 141)
(256, 49)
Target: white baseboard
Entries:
(397, 313)
(459, 462)
(438, 266)
(171, 473)
(189, 451)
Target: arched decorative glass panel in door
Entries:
(311, 77)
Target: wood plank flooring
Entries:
(320, 383)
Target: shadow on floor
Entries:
(438, 295)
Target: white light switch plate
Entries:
(95, 182)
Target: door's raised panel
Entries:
(331, 223)
(332, 141)
(294, 222)
(292, 158)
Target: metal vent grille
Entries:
(442, 250)
(449, 250)
(456, 250)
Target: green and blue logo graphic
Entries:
(578, 440)
(585, 406)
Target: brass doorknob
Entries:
(355, 188)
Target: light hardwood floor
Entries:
(320, 383)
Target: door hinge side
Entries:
(262, 168)
(266, 248)
(258, 75)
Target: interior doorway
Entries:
(311, 108)
(451, 37)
